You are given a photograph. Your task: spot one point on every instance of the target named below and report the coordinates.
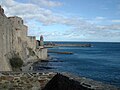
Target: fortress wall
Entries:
(32, 42)
(14, 39)
(5, 41)
(24, 32)
(19, 36)
(42, 53)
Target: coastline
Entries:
(38, 80)
(86, 79)
(28, 65)
(85, 82)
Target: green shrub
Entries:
(16, 62)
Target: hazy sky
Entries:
(68, 20)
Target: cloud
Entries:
(116, 21)
(30, 11)
(109, 27)
(35, 11)
(47, 3)
(100, 18)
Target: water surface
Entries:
(100, 62)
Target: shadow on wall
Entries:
(60, 82)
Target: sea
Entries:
(100, 62)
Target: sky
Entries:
(68, 20)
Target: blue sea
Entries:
(100, 62)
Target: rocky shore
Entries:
(44, 79)
(48, 81)
(24, 80)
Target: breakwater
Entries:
(50, 51)
(66, 45)
(74, 45)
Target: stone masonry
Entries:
(14, 39)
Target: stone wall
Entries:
(42, 53)
(14, 39)
(31, 42)
(19, 36)
(5, 41)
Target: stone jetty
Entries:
(50, 51)
(52, 45)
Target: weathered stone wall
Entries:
(31, 40)
(14, 39)
(24, 32)
(5, 41)
(42, 53)
(19, 36)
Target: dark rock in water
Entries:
(46, 67)
(44, 60)
(50, 51)
(51, 60)
(60, 82)
(36, 62)
(65, 52)
(42, 68)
